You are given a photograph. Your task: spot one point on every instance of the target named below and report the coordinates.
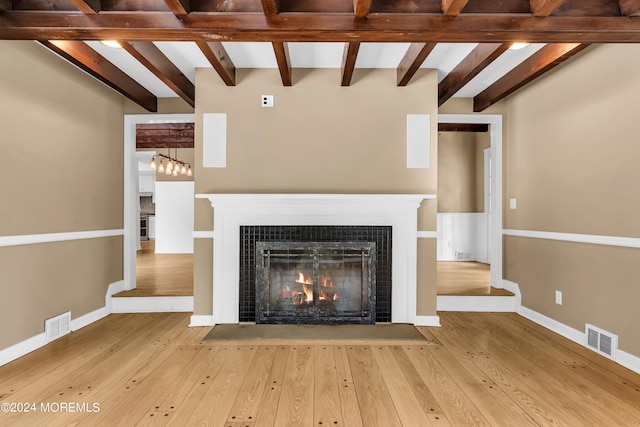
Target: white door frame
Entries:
(495, 129)
(130, 191)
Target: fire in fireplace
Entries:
(315, 282)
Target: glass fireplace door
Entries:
(315, 282)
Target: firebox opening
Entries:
(315, 282)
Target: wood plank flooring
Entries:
(161, 274)
(466, 278)
(483, 369)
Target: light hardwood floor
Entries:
(161, 274)
(466, 279)
(477, 369)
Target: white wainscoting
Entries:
(463, 237)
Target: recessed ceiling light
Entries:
(111, 43)
(518, 45)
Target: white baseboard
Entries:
(623, 358)
(487, 303)
(427, 321)
(12, 353)
(151, 304)
(89, 318)
(114, 288)
(201, 320)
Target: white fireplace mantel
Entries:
(231, 211)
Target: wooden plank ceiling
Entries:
(567, 26)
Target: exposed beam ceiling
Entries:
(152, 58)
(540, 62)
(179, 7)
(143, 25)
(349, 62)
(89, 60)
(453, 7)
(463, 127)
(88, 7)
(476, 61)
(630, 7)
(361, 8)
(219, 59)
(291, 27)
(413, 59)
(545, 7)
(284, 64)
(164, 135)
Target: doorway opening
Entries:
(469, 205)
(156, 262)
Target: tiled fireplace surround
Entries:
(231, 211)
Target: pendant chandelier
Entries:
(173, 166)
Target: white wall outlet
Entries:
(512, 203)
(559, 297)
(267, 100)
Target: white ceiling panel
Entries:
(316, 55)
(187, 56)
(138, 72)
(251, 54)
(381, 55)
(496, 70)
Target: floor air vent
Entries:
(601, 341)
(57, 326)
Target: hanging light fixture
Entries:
(174, 166)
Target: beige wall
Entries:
(456, 172)
(319, 138)
(61, 137)
(572, 161)
(483, 141)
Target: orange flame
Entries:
(308, 293)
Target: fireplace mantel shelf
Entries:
(235, 210)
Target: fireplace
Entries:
(315, 282)
(238, 214)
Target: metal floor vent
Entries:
(57, 326)
(601, 341)
(463, 256)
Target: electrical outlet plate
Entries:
(559, 297)
(512, 203)
(267, 101)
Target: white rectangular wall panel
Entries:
(174, 217)
(214, 140)
(418, 141)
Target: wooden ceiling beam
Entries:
(545, 7)
(306, 27)
(463, 127)
(219, 59)
(270, 7)
(90, 61)
(88, 7)
(412, 60)
(361, 8)
(164, 135)
(349, 57)
(453, 8)
(630, 7)
(537, 64)
(180, 8)
(479, 58)
(281, 50)
(156, 62)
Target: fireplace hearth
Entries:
(315, 282)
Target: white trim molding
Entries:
(627, 242)
(483, 303)
(427, 234)
(427, 321)
(623, 358)
(16, 351)
(400, 211)
(31, 239)
(495, 129)
(203, 234)
(198, 320)
(168, 304)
